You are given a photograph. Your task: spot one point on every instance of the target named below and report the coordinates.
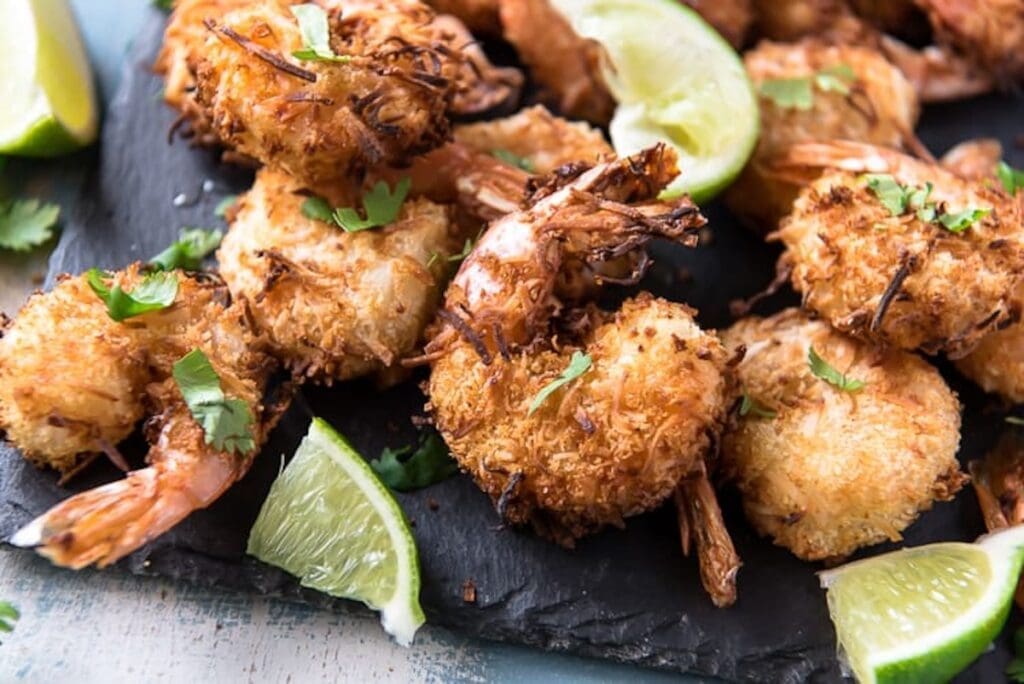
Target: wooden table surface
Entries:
(94, 626)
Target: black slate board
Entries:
(624, 594)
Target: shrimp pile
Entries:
(823, 471)
(61, 409)
(232, 75)
(618, 440)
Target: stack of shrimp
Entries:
(489, 271)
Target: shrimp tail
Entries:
(937, 74)
(701, 522)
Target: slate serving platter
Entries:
(628, 594)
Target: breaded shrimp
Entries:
(877, 106)
(324, 121)
(988, 32)
(731, 18)
(823, 471)
(336, 305)
(566, 66)
(480, 16)
(59, 408)
(617, 440)
(904, 280)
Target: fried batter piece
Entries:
(824, 472)
(325, 121)
(880, 107)
(988, 32)
(336, 305)
(901, 280)
(619, 439)
(566, 66)
(61, 408)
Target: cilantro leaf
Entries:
(960, 221)
(226, 422)
(407, 469)
(579, 364)
(836, 79)
(380, 204)
(789, 93)
(318, 209)
(513, 159)
(165, 5)
(156, 291)
(25, 224)
(1011, 178)
(8, 615)
(891, 194)
(1015, 670)
(225, 203)
(189, 251)
(751, 406)
(821, 369)
(917, 198)
(316, 43)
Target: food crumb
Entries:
(432, 503)
(469, 591)
(180, 199)
(38, 277)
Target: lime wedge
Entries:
(676, 80)
(923, 614)
(330, 521)
(47, 103)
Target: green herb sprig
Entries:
(410, 468)
(381, 205)
(188, 252)
(1011, 178)
(579, 364)
(316, 43)
(798, 93)
(26, 223)
(821, 369)
(749, 406)
(156, 291)
(8, 616)
(513, 159)
(227, 423)
(898, 199)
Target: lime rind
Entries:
(332, 523)
(687, 87)
(47, 100)
(923, 614)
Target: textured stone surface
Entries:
(624, 594)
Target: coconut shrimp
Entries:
(61, 409)
(823, 471)
(324, 121)
(731, 18)
(621, 438)
(904, 280)
(336, 305)
(479, 16)
(988, 32)
(872, 102)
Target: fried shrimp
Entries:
(731, 18)
(334, 304)
(479, 16)
(988, 32)
(566, 66)
(401, 72)
(640, 417)
(59, 409)
(824, 471)
(914, 257)
(871, 102)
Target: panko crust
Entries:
(731, 18)
(75, 382)
(834, 471)
(480, 16)
(997, 363)
(899, 280)
(336, 305)
(881, 108)
(990, 33)
(611, 444)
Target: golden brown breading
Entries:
(334, 304)
(880, 108)
(731, 18)
(324, 121)
(989, 32)
(566, 66)
(480, 16)
(833, 471)
(901, 280)
(614, 443)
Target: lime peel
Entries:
(924, 613)
(331, 522)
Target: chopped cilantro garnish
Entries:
(751, 406)
(165, 5)
(188, 251)
(225, 203)
(408, 469)
(1011, 178)
(226, 422)
(318, 209)
(513, 159)
(798, 93)
(960, 221)
(1015, 668)
(891, 194)
(316, 43)
(156, 291)
(579, 364)
(822, 370)
(25, 224)
(899, 198)
(8, 615)
(381, 205)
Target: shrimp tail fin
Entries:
(702, 524)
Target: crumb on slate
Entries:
(469, 591)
